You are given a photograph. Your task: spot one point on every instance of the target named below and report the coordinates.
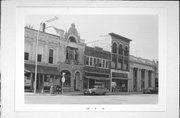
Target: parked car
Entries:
(150, 91)
(96, 90)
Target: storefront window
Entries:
(47, 81)
(67, 82)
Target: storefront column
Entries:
(72, 82)
(42, 89)
(81, 85)
(110, 81)
(139, 79)
(146, 79)
(31, 77)
(153, 79)
(54, 80)
(87, 83)
(130, 81)
(39, 82)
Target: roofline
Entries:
(93, 48)
(42, 32)
(119, 36)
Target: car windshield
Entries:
(97, 86)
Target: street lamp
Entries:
(43, 26)
(62, 80)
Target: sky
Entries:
(141, 29)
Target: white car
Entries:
(96, 90)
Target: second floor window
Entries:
(100, 62)
(95, 62)
(114, 59)
(126, 64)
(114, 48)
(26, 56)
(71, 53)
(39, 57)
(120, 61)
(104, 64)
(51, 56)
(91, 61)
(120, 49)
(126, 51)
(107, 64)
(87, 60)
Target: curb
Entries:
(78, 93)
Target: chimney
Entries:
(43, 27)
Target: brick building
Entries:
(96, 67)
(119, 47)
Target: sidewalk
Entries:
(78, 93)
(48, 94)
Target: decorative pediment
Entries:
(72, 34)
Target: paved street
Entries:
(89, 99)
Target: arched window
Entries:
(120, 49)
(114, 48)
(126, 51)
(72, 39)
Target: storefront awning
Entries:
(120, 78)
(41, 69)
(97, 78)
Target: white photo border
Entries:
(21, 12)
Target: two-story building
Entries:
(96, 67)
(55, 55)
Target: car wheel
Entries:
(93, 93)
(104, 93)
